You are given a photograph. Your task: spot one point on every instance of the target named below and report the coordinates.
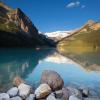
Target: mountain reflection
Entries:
(89, 60)
(18, 62)
(57, 58)
(74, 68)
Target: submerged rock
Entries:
(73, 97)
(59, 93)
(85, 92)
(65, 94)
(42, 91)
(13, 92)
(53, 79)
(31, 97)
(92, 98)
(16, 98)
(4, 96)
(51, 97)
(75, 92)
(24, 90)
(17, 81)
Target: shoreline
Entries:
(51, 87)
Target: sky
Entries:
(58, 15)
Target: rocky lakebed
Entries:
(51, 88)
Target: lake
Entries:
(76, 69)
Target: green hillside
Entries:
(83, 41)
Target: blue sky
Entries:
(54, 15)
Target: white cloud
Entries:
(83, 6)
(73, 4)
(77, 3)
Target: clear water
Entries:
(79, 70)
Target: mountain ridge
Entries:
(86, 36)
(57, 35)
(20, 29)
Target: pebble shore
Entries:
(51, 88)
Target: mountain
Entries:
(58, 35)
(86, 36)
(17, 30)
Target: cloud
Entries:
(73, 4)
(83, 6)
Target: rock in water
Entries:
(17, 81)
(24, 90)
(13, 92)
(53, 79)
(58, 94)
(42, 91)
(85, 92)
(75, 92)
(51, 97)
(4, 96)
(16, 98)
(92, 98)
(31, 97)
(74, 98)
(65, 94)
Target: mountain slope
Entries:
(86, 36)
(16, 29)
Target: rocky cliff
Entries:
(16, 29)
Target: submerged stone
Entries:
(16, 98)
(73, 97)
(31, 97)
(17, 81)
(13, 92)
(51, 97)
(4, 96)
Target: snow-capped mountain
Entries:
(58, 35)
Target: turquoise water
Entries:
(79, 70)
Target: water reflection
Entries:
(89, 60)
(73, 73)
(18, 62)
(56, 58)
(75, 68)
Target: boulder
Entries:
(59, 94)
(13, 92)
(51, 97)
(31, 97)
(73, 97)
(75, 92)
(24, 90)
(65, 94)
(42, 91)
(85, 92)
(17, 81)
(53, 79)
(16, 98)
(4, 96)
